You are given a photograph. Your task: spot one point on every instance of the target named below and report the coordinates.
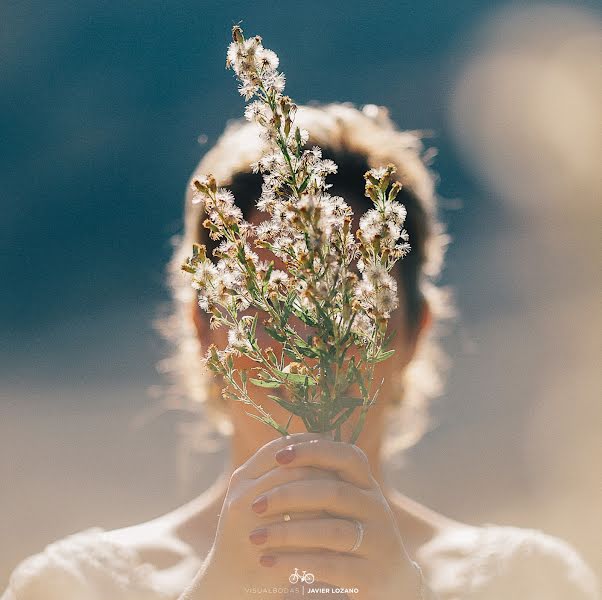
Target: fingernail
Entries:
(260, 504)
(285, 455)
(259, 536)
(267, 561)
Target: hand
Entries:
(379, 568)
(233, 562)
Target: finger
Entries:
(348, 460)
(342, 570)
(337, 535)
(339, 498)
(263, 460)
(280, 476)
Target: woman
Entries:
(305, 512)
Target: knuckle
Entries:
(340, 491)
(280, 496)
(237, 474)
(296, 473)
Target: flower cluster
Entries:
(336, 284)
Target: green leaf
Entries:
(353, 401)
(382, 356)
(290, 353)
(306, 349)
(274, 334)
(306, 318)
(304, 184)
(389, 337)
(297, 378)
(300, 379)
(269, 271)
(296, 409)
(358, 427)
(270, 423)
(265, 384)
(342, 418)
(287, 309)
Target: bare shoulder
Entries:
(493, 561)
(155, 542)
(499, 560)
(131, 562)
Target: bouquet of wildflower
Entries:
(336, 283)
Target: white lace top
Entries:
(490, 562)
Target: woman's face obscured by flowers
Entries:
(388, 371)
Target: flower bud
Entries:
(237, 35)
(395, 189)
(346, 226)
(292, 367)
(271, 355)
(371, 191)
(386, 179)
(370, 178)
(199, 251)
(211, 183)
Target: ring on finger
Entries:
(359, 537)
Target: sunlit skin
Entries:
(321, 483)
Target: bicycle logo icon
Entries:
(296, 577)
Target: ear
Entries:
(407, 347)
(426, 319)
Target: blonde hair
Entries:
(340, 127)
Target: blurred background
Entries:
(105, 109)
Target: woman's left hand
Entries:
(378, 569)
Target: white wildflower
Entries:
(396, 212)
(304, 136)
(257, 112)
(278, 277)
(378, 173)
(268, 59)
(376, 274)
(238, 340)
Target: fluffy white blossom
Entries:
(238, 340)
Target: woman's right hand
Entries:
(232, 564)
